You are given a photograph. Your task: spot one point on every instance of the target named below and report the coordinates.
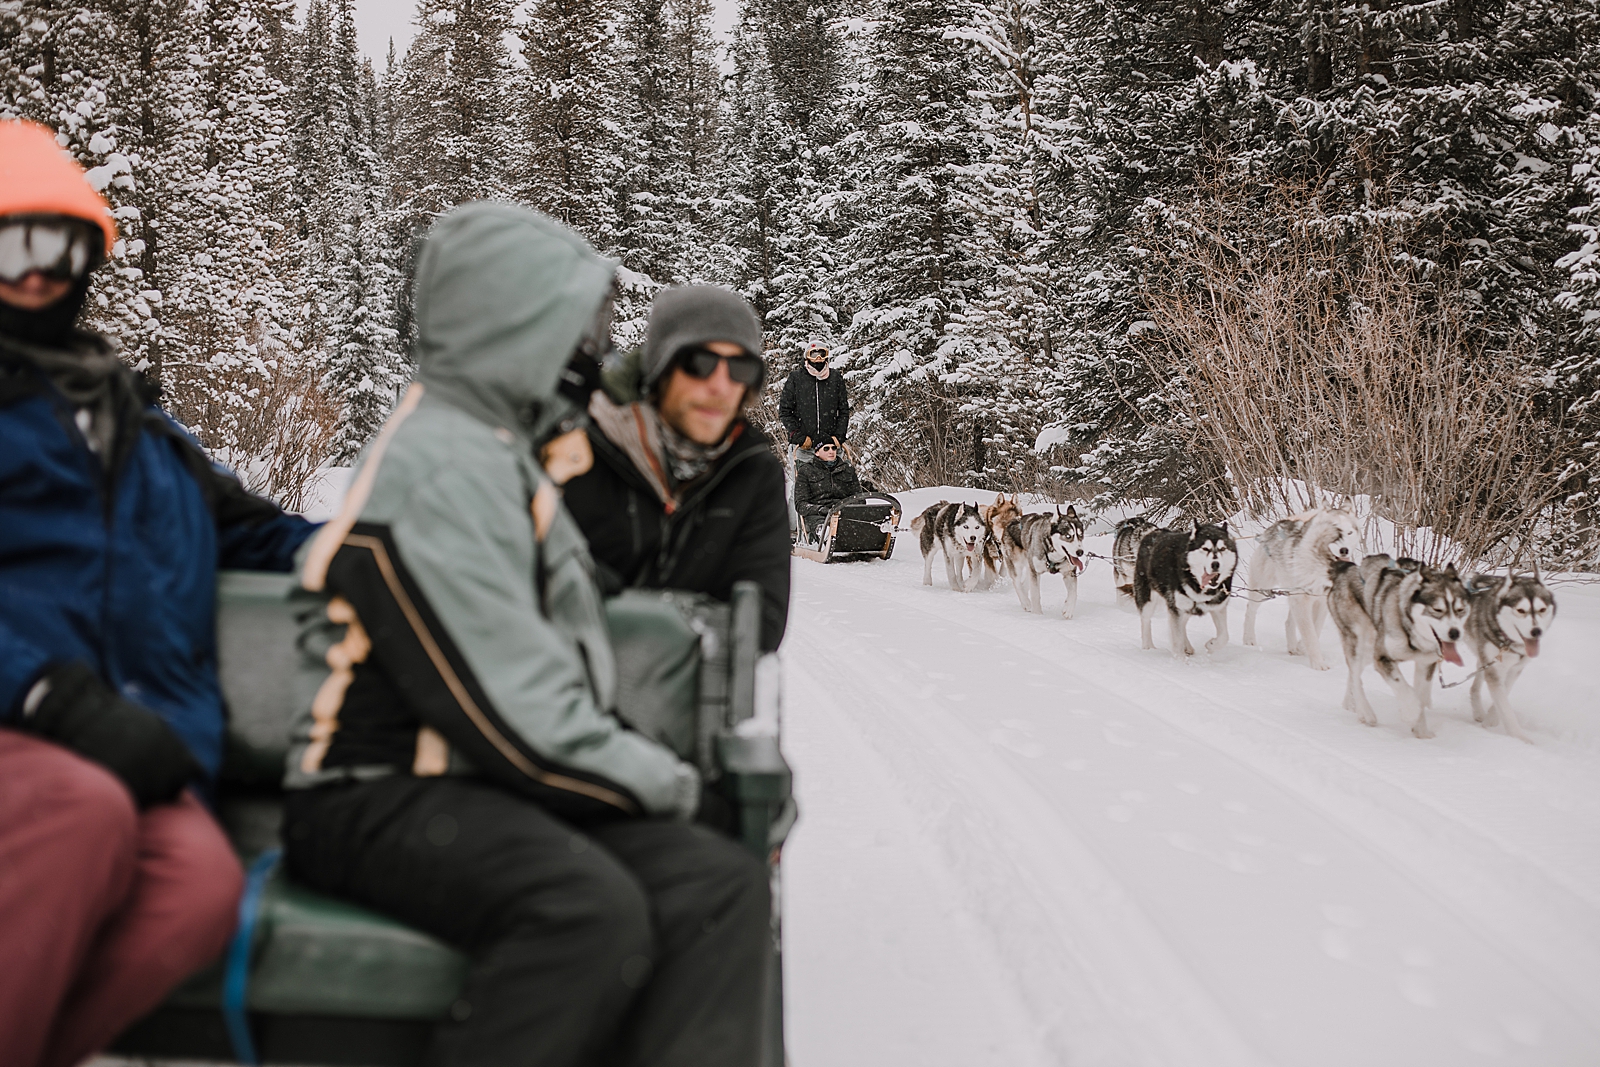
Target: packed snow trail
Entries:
(1026, 841)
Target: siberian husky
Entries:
(1192, 572)
(1292, 556)
(996, 517)
(1125, 553)
(1389, 611)
(1034, 543)
(958, 531)
(1002, 513)
(1509, 616)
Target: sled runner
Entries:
(317, 981)
(863, 527)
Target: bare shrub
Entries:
(1318, 366)
(269, 422)
(289, 436)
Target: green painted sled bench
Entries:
(317, 981)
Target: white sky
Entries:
(377, 21)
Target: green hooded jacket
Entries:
(465, 632)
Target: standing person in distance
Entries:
(685, 492)
(814, 407)
(115, 881)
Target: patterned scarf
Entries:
(667, 459)
(688, 459)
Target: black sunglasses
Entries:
(702, 363)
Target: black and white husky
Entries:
(958, 531)
(1292, 557)
(1125, 553)
(1037, 543)
(1191, 571)
(1389, 611)
(1509, 617)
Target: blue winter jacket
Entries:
(121, 571)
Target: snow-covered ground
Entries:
(1026, 841)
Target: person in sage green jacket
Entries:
(461, 768)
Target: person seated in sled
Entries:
(115, 882)
(822, 485)
(461, 769)
(685, 492)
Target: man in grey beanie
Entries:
(685, 493)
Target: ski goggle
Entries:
(816, 353)
(55, 247)
(702, 363)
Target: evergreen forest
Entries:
(1206, 254)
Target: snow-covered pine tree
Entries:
(667, 137)
(230, 264)
(347, 273)
(452, 135)
(365, 367)
(1446, 126)
(911, 253)
(1011, 319)
(782, 229)
(565, 101)
(100, 75)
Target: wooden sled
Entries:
(861, 528)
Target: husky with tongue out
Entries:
(1192, 571)
(1390, 611)
(1035, 544)
(1509, 616)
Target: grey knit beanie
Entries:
(691, 315)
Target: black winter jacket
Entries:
(731, 526)
(816, 409)
(818, 485)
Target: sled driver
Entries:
(685, 492)
(822, 485)
(813, 407)
(115, 881)
(466, 775)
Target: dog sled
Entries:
(321, 982)
(861, 528)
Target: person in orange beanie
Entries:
(115, 881)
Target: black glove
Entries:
(795, 437)
(84, 714)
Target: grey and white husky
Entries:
(958, 531)
(1125, 553)
(1292, 556)
(1390, 611)
(1191, 571)
(1509, 617)
(1038, 543)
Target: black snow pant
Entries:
(629, 943)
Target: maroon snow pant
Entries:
(103, 908)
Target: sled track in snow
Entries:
(1471, 872)
(1275, 769)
